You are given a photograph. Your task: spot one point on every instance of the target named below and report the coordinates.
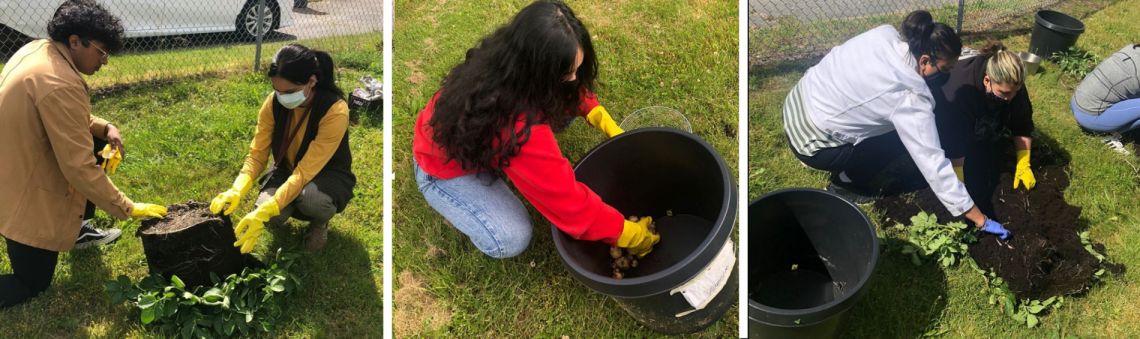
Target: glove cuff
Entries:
(1023, 157)
(242, 184)
(601, 119)
(267, 210)
(629, 229)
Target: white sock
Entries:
(843, 177)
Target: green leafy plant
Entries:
(239, 305)
(1075, 62)
(1023, 311)
(946, 243)
(1087, 242)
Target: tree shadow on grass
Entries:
(902, 300)
(338, 295)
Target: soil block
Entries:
(190, 242)
(1044, 257)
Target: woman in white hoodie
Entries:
(868, 102)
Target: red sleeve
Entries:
(589, 101)
(546, 179)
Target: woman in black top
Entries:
(981, 106)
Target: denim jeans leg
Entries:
(481, 207)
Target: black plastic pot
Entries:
(651, 172)
(1054, 32)
(194, 252)
(810, 256)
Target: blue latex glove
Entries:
(995, 228)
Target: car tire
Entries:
(246, 21)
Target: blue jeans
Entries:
(483, 208)
(1121, 117)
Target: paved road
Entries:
(761, 12)
(335, 18)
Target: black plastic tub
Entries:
(194, 252)
(681, 182)
(811, 254)
(1054, 32)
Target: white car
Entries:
(150, 18)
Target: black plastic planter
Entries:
(1054, 32)
(655, 172)
(195, 251)
(810, 256)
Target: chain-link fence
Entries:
(169, 39)
(781, 30)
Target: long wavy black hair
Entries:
(515, 74)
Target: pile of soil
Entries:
(1044, 256)
(191, 242)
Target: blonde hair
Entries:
(1002, 66)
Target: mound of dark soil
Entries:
(190, 242)
(1044, 257)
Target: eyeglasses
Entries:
(102, 53)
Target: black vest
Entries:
(336, 178)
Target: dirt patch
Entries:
(416, 75)
(417, 311)
(191, 243)
(1044, 257)
(180, 217)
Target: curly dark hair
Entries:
(515, 74)
(88, 20)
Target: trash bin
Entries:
(810, 256)
(689, 280)
(1054, 32)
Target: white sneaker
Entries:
(90, 236)
(1113, 141)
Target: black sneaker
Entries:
(90, 236)
(849, 194)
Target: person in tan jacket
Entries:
(48, 170)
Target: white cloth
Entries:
(705, 286)
(868, 86)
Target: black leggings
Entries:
(32, 270)
(861, 162)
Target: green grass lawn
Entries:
(907, 301)
(185, 139)
(669, 53)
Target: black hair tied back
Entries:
(297, 63)
(926, 37)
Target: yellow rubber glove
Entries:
(232, 196)
(111, 159)
(601, 119)
(250, 227)
(636, 237)
(1022, 174)
(960, 172)
(146, 211)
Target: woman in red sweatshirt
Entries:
(495, 117)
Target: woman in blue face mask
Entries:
(868, 102)
(303, 124)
